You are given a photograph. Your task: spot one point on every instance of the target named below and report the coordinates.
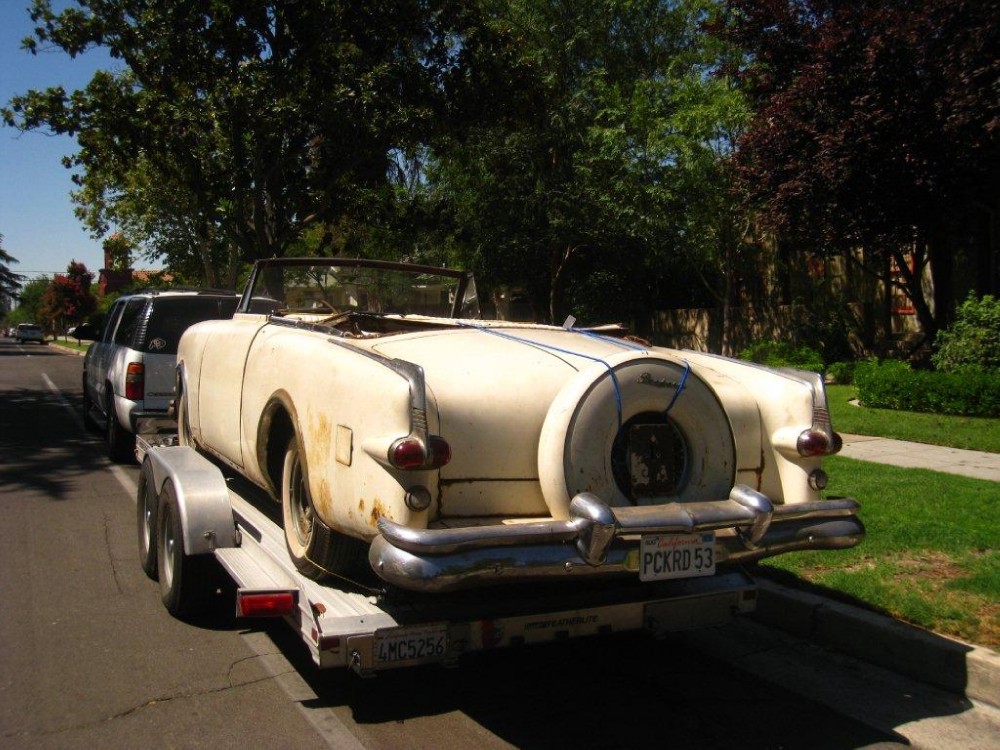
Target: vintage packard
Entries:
(395, 426)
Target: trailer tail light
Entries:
(408, 453)
(135, 382)
(264, 603)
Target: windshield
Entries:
(328, 287)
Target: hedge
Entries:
(970, 392)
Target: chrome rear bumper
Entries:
(599, 540)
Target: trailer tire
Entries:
(187, 582)
(316, 550)
(146, 503)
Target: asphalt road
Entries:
(89, 658)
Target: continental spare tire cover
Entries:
(647, 455)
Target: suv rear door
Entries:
(169, 318)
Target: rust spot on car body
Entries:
(378, 511)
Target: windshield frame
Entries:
(464, 280)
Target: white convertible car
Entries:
(393, 424)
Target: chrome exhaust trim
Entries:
(600, 540)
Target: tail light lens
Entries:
(818, 443)
(408, 454)
(135, 382)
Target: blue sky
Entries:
(36, 214)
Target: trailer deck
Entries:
(368, 626)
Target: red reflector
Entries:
(135, 382)
(265, 604)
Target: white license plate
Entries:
(411, 645)
(666, 556)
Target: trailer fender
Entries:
(206, 513)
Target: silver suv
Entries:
(29, 332)
(128, 373)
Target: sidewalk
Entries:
(976, 464)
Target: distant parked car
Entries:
(30, 332)
(128, 372)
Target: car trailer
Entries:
(194, 524)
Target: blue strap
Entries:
(538, 345)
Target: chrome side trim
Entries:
(604, 539)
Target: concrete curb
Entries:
(971, 671)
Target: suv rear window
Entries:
(171, 316)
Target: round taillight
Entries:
(813, 443)
(440, 452)
(408, 453)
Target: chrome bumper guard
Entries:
(598, 540)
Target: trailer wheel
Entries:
(145, 503)
(315, 548)
(187, 582)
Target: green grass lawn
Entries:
(71, 343)
(972, 433)
(931, 556)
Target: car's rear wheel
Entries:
(121, 442)
(88, 406)
(316, 550)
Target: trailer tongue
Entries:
(193, 525)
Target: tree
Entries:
(29, 301)
(877, 128)
(67, 299)
(10, 282)
(233, 126)
(597, 175)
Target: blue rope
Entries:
(680, 386)
(538, 345)
(614, 378)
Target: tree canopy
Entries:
(68, 299)
(598, 173)
(233, 125)
(877, 126)
(10, 282)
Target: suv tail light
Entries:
(135, 382)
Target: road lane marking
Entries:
(127, 483)
(334, 732)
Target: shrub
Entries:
(970, 391)
(841, 372)
(973, 340)
(783, 354)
